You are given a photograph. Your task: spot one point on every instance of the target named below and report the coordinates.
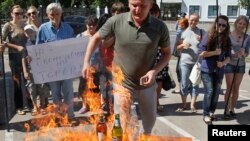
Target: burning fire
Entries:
(56, 126)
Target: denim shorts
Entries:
(231, 68)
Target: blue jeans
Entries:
(185, 73)
(212, 86)
(64, 87)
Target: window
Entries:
(212, 11)
(232, 11)
(194, 9)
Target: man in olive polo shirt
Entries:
(137, 36)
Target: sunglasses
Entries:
(222, 25)
(18, 13)
(31, 13)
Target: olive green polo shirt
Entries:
(135, 48)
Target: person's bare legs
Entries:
(229, 79)
(235, 92)
(193, 104)
(184, 104)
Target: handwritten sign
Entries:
(58, 60)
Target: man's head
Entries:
(117, 8)
(54, 12)
(91, 23)
(30, 32)
(183, 14)
(140, 9)
(155, 10)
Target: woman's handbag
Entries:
(168, 81)
(195, 75)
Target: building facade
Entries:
(205, 8)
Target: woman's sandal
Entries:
(160, 108)
(20, 112)
(193, 110)
(181, 109)
(176, 92)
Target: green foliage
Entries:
(65, 3)
(5, 5)
(5, 8)
(244, 3)
(103, 3)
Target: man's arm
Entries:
(166, 55)
(149, 78)
(92, 45)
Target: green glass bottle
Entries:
(117, 131)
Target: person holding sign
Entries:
(55, 30)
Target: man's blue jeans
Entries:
(212, 86)
(63, 88)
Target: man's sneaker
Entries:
(207, 120)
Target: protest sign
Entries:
(57, 60)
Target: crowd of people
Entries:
(138, 43)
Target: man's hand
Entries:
(148, 79)
(85, 70)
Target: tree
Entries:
(244, 3)
(5, 5)
(5, 8)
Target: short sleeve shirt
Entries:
(135, 48)
(190, 55)
(236, 46)
(47, 33)
(14, 34)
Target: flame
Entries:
(55, 126)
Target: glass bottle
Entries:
(117, 132)
(101, 129)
